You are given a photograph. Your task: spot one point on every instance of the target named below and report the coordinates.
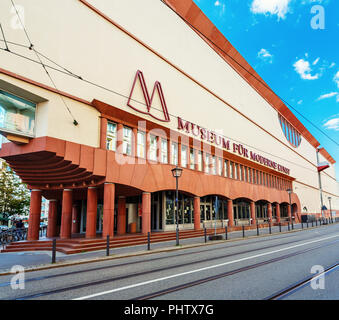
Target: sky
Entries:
(294, 46)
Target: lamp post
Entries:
(289, 194)
(329, 200)
(177, 174)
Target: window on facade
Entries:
(207, 162)
(263, 178)
(199, 160)
(249, 175)
(232, 169)
(16, 114)
(219, 166)
(164, 151)
(214, 165)
(225, 168)
(174, 153)
(192, 158)
(241, 173)
(291, 134)
(141, 144)
(184, 156)
(153, 148)
(127, 141)
(236, 171)
(111, 140)
(246, 174)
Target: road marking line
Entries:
(200, 269)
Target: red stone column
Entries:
(289, 213)
(196, 205)
(66, 214)
(277, 206)
(252, 208)
(52, 218)
(269, 211)
(75, 218)
(108, 212)
(92, 207)
(121, 223)
(146, 212)
(34, 215)
(230, 212)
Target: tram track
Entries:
(148, 272)
(300, 284)
(246, 268)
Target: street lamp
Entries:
(290, 191)
(329, 200)
(177, 174)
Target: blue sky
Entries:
(300, 62)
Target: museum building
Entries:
(134, 96)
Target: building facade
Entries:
(127, 98)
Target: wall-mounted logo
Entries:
(139, 77)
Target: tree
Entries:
(14, 195)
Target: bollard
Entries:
(302, 225)
(257, 229)
(269, 225)
(148, 241)
(177, 237)
(205, 232)
(312, 223)
(292, 225)
(107, 245)
(226, 233)
(288, 226)
(243, 231)
(279, 227)
(54, 251)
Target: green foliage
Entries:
(14, 195)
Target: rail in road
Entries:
(310, 242)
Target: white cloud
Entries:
(264, 55)
(332, 124)
(220, 5)
(336, 79)
(300, 102)
(332, 65)
(302, 67)
(327, 95)
(272, 7)
(315, 61)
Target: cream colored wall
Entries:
(89, 46)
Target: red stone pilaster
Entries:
(146, 212)
(52, 218)
(66, 214)
(34, 215)
(92, 207)
(121, 223)
(196, 205)
(108, 212)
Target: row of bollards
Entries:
(321, 222)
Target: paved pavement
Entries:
(32, 259)
(252, 268)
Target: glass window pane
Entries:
(16, 114)
(111, 140)
(141, 144)
(192, 158)
(164, 151)
(184, 156)
(127, 141)
(174, 153)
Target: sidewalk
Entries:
(34, 259)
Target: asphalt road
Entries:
(256, 268)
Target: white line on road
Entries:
(200, 269)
